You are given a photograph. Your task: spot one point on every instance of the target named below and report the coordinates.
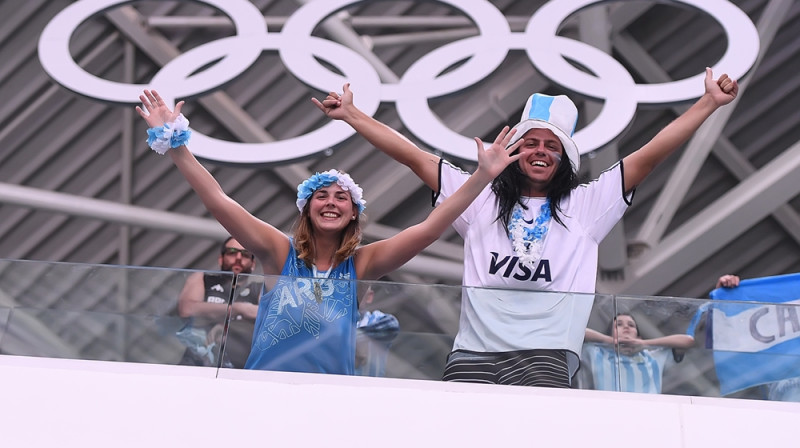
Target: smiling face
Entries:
(331, 208)
(541, 152)
(624, 327)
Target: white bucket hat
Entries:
(557, 113)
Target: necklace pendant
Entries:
(317, 292)
(528, 241)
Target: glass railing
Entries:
(386, 329)
(100, 312)
(652, 352)
(714, 348)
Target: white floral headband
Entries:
(319, 180)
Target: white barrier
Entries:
(53, 402)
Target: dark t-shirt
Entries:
(236, 346)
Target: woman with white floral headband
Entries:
(308, 324)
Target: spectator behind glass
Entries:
(204, 302)
(375, 333)
(641, 361)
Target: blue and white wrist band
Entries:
(171, 135)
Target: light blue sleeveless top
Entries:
(307, 324)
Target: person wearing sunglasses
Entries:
(204, 303)
(307, 321)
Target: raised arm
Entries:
(340, 107)
(641, 163)
(379, 258)
(590, 335)
(269, 244)
(672, 341)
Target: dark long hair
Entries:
(509, 184)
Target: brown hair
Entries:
(614, 322)
(304, 238)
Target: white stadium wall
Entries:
(65, 403)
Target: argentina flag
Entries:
(754, 331)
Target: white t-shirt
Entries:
(511, 317)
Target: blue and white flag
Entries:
(755, 329)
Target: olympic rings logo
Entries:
(422, 81)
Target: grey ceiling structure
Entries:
(78, 183)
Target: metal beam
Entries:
(110, 211)
(126, 159)
(231, 115)
(727, 154)
(173, 222)
(696, 152)
(719, 224)
(394, 188)
(595, 27)
(622, 15)
(218, 104)
(343, 33)
(733, 160)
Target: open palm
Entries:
(157, 111)
(494, 159)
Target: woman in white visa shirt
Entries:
(531, 238)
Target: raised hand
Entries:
(494, 159)
(630, 345)
(728, 281)
(336, 106)
(157, 111)
(722, 90)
